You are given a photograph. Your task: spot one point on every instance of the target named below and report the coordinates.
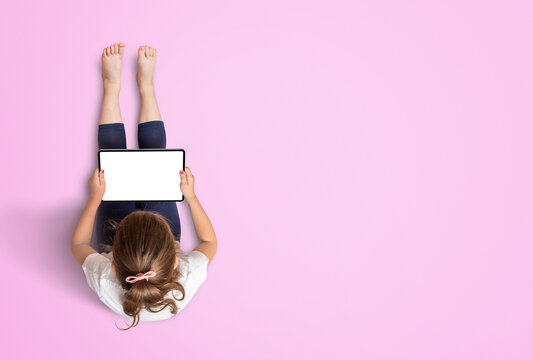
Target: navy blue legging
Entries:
(151, 135)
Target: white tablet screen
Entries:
(142, 175)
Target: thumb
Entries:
(183, 176)
(102, 178)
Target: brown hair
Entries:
(144, 242)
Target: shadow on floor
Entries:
(43, 246)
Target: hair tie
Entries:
(140, 276)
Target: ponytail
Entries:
(140, 292)
(144, 241)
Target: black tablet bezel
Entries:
(125, 150)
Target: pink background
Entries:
(366, 166)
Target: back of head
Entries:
(144, 242)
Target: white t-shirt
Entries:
(103, 281)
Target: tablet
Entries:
(142, 174)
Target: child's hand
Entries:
(97, 186)
(187, 183)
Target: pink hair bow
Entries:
(140, 276)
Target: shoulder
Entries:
(193, 273)
(97, 269)
(198, 258)
(96, 261)
(194, 263)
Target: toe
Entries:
(121, 48)
(141, 50)
(115, 49)
(107, 51)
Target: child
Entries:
(144, 275)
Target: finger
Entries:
(93, 177)
(183, 176)
(189, 173)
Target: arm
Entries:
(81, 239)
(204, 230)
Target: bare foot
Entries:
(111, 64)
(146, 66)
